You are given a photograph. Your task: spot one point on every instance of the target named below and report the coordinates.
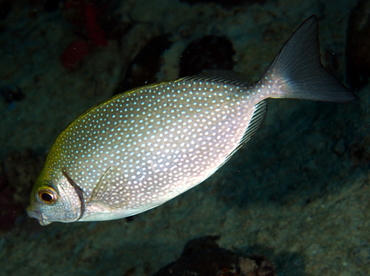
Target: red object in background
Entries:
(75, 53)
(84, 16)
(95, 32)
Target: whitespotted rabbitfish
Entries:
(141, 148)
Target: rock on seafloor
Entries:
(202, 256)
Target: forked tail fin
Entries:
(297, 72)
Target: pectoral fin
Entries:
(110, 192)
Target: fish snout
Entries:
(37, 215)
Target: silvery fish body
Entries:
(144, 147)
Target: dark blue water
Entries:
(296, 194)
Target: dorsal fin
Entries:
(220, 76)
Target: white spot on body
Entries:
(160, 141)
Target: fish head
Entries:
(54, 199)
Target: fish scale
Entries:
(144, 147)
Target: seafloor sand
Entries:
(297, 193)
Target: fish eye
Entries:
(47, 195)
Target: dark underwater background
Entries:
(295, 200)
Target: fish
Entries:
(140, 149)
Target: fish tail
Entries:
(297, 72)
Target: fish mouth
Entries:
(37, 215)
